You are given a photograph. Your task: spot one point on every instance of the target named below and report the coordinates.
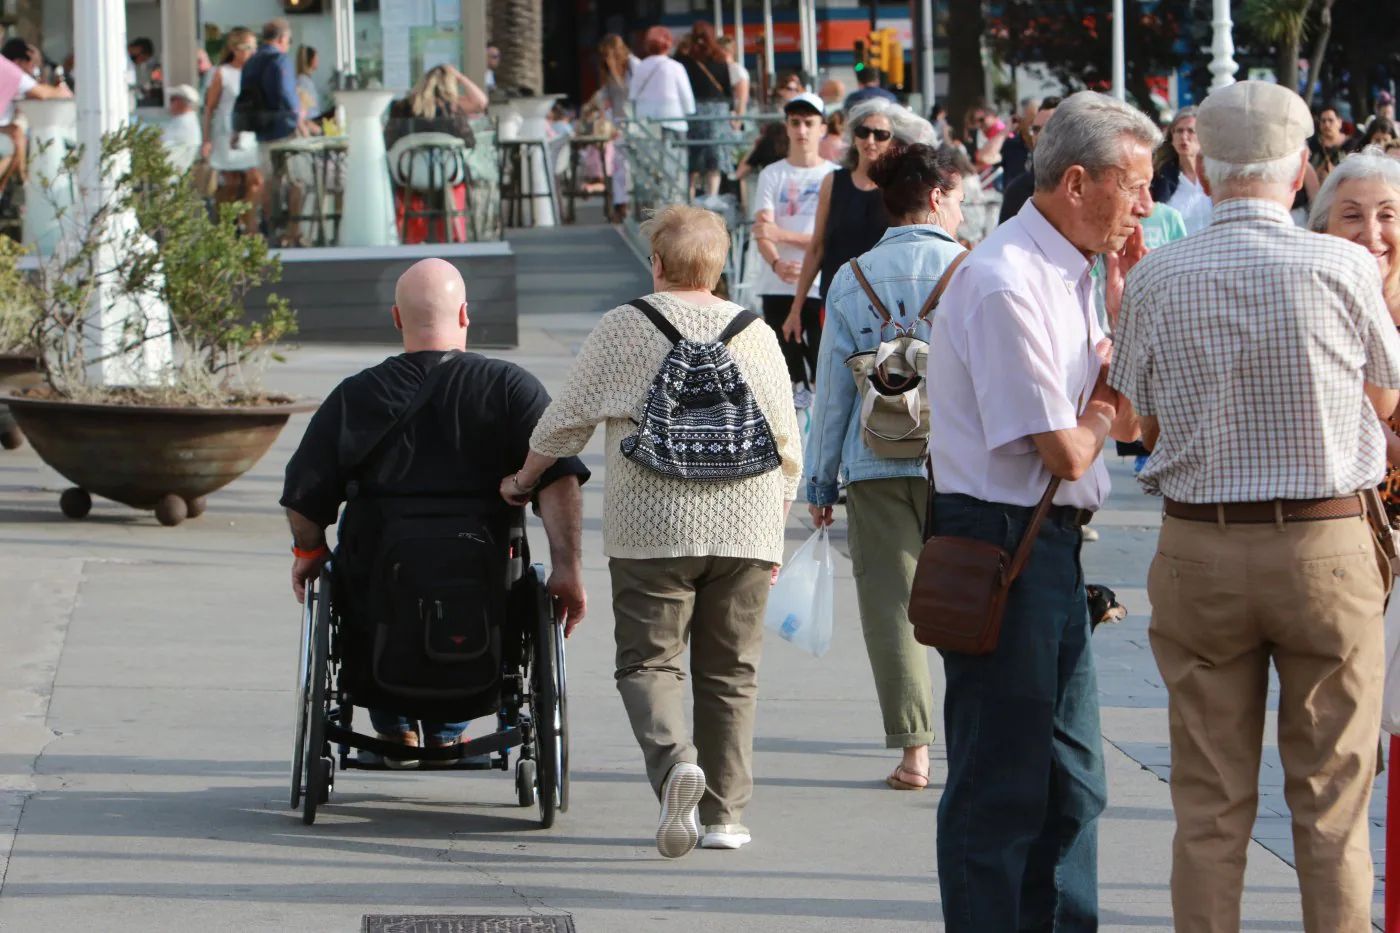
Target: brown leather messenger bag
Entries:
(961, 585)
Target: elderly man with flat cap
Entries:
(1259, 356)
(473, 429)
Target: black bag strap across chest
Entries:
(736, 325)
(421, 398)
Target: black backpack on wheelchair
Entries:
(425, 585)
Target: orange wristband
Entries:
(303, 554)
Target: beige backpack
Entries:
(889, 378)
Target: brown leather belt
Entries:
(1258, 513)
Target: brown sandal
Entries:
(896, 782)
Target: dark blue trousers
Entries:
(1018, 820)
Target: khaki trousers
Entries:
(715, 603)
(1225, 600)
(886, 534)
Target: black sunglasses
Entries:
(881, 136)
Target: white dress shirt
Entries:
(1011, 354)
(660, 88)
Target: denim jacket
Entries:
(902, 269)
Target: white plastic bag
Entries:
(800, 605)
(1390, 703)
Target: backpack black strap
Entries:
(736, 326)
(420, 398)
(657, 318)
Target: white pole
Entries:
(926, 78)
(338, 19)
(719, 17)
(768, 42)
(1120, 89)
(802, 25)
(99, 48)
(739, 31)
(814, 38)
(1222, 61)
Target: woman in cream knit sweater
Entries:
(689, 560)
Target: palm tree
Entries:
(517, 29)
(1282, 23)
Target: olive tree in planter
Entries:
(20, 363)
(165, 442)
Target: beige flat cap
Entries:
(1252, 121)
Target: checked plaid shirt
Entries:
(1250, 342)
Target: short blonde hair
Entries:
(691, 242)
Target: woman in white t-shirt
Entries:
(660, 89)
(232, 155)
(738, 75)
(785, 216)
(1175, 181)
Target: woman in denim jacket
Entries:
(922, 191)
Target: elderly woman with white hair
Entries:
(691, 561)
(850, 216)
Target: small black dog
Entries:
(1103, 606)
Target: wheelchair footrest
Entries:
(496, 742)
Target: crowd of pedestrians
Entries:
(1150, 287)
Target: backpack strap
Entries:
(736, 326)
(658, 319)
(875, 301)
(934, 296)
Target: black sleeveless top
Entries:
(855, 222)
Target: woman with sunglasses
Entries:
(850, 216)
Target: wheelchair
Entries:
(530, 700)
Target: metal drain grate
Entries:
(465, 923)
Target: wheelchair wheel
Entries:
(545, 709)
(303, 691)
(318, 766)
(561, 678)
(525, 782)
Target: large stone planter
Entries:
(17, 371)
(148, 457)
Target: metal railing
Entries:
(659, 174)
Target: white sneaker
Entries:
(725, 836)
(1089, 534)
(400, 764)
(679, 831)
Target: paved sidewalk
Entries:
(146, 714)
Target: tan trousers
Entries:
(1225, 600)
(715, 603)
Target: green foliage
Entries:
(175, 254)
(1277, 21)
(18, 315)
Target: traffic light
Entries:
(862, 55)
(887, 54)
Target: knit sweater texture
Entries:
(646, 514)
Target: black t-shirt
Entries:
(473, 431)
(709, 80)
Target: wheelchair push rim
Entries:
(301, 693)
(317, 767)
(545, 707)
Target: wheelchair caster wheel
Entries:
(75, 502)
(525, 783)
(328, 779)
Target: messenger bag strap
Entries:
(937, 294)
(875, 301)
(420, 398)
(1023, 550)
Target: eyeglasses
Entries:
(881, 136)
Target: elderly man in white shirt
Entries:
(1019, 397)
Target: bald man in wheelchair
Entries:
(432, 423)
